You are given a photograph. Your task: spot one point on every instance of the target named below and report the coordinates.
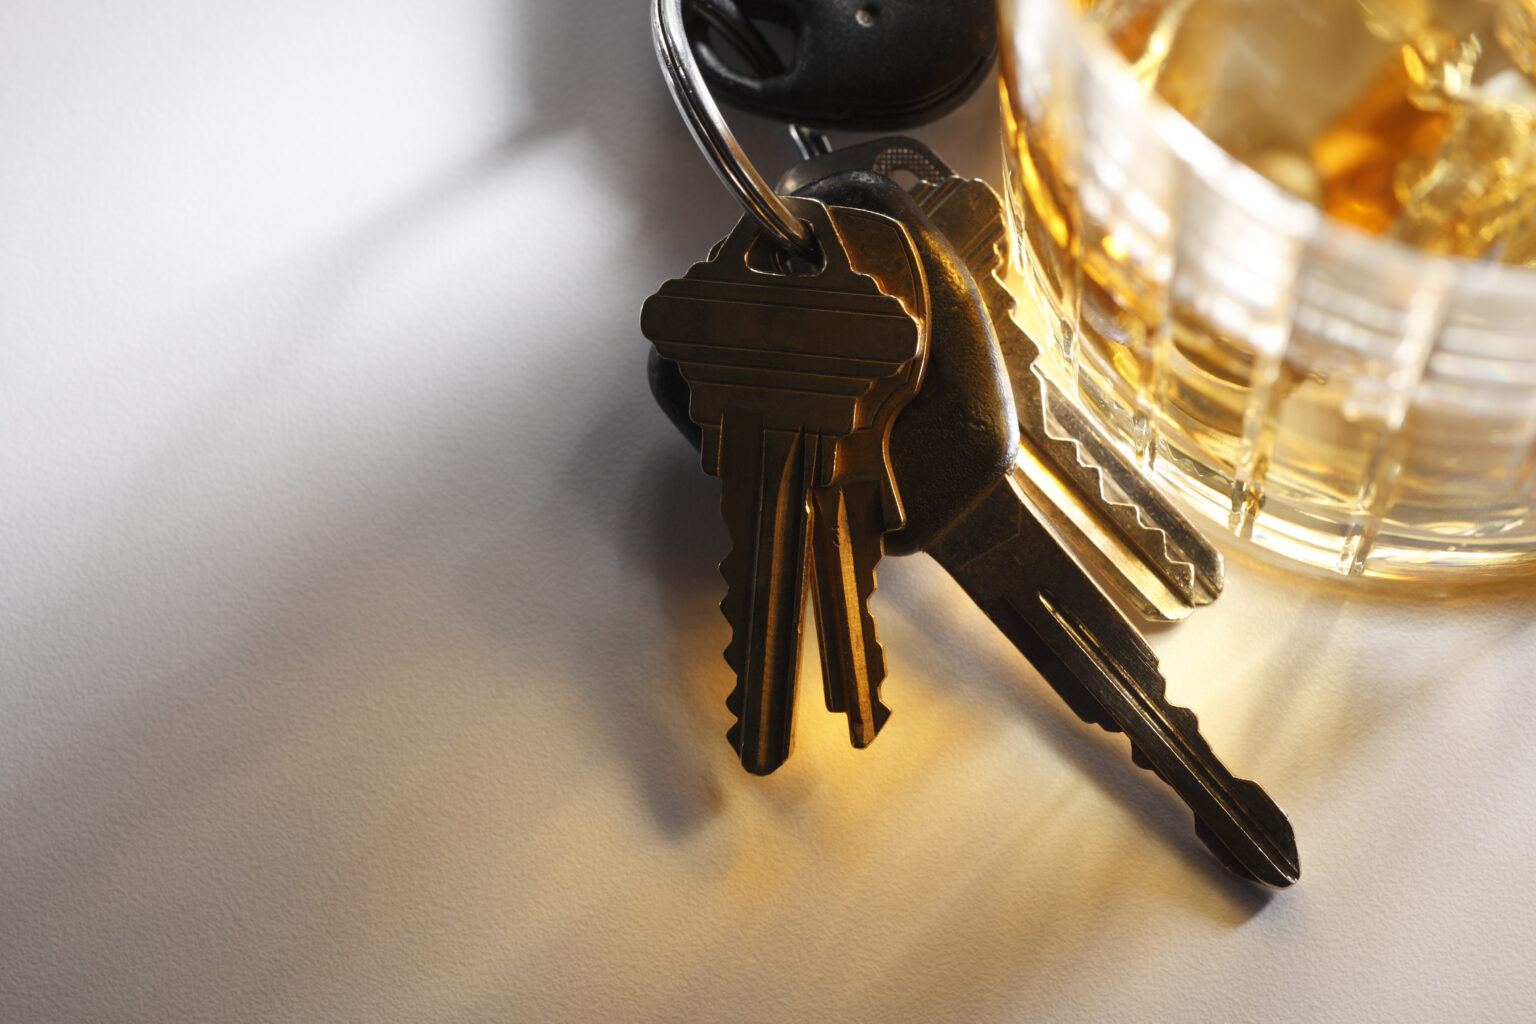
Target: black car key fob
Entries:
(854, 65)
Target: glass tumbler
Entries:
(1354, 402)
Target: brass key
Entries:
(974, 507)
(850, 516)
(781, 358)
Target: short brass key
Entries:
(783, 360)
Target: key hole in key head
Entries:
(764, 257)
(867, 15)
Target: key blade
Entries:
(766, 573)
(1161, 563)
(1027, 584)
(1148, 520)
(1115, 554)
(847, 542)
(1247, 827)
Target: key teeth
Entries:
(879, 713)
(734, 607)
(1129, 517)
(1070, 455)
(1203, 832)
(1196, 583)
(731, 608)
(1199, 585)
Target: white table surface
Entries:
(359, 657)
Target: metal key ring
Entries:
(691, 94)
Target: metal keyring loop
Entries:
(691, 94)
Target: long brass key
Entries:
(974, 508)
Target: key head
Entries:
(960, 433)
(879, 65)
(784, 346)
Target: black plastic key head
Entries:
(960, 433)
(1138, 541)
(858, 65)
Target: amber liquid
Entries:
(1404, 118)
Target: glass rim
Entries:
(1237, 183)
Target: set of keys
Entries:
(871, 392)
